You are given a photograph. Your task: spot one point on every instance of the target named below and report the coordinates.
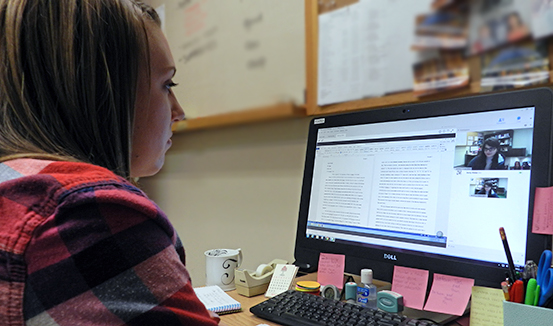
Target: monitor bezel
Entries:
(307, 250)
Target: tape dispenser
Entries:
(250, 283)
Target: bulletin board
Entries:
(316, 8)
(398, 13)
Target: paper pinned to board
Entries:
(364, 49)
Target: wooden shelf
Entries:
(408, 97)
(268, 113)
(395, 99)
(290, 110)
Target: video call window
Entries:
(495, 150)
(488, 187)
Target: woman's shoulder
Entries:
(64, 172)
(39, 190)
(475, 160)
(63, 182)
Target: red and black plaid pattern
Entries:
(82, 246)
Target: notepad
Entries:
(216, 300)
(281, 280)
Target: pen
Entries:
(531, 292)
(517, 292)
(508, 254)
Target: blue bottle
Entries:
(366, 294)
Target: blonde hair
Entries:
(68, 79)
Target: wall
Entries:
(235, 187)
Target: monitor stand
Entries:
(430, 315)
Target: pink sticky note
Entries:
(449, 294)
(543, 203)
(331, 269)
(411, 284)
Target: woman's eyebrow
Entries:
(169, 69)
(166, 70)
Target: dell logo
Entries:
(390, 257)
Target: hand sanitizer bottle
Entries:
(366, 294)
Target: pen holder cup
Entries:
(516, 314)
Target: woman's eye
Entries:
(170, 85)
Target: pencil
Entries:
(505, 288)
(508, 254)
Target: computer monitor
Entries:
(412, 186)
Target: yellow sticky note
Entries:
(486, 307)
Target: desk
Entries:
(246, 318)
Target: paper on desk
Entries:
(449, 294)
(411, 283)
(486, 306)
(543, 203)
(331, 269)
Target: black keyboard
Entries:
(299, 308)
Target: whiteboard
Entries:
(233, 55)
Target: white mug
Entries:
(220, 265)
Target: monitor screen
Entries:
(428, 185)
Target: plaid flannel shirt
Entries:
(82, 246)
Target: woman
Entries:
(487, 190)
(516, 27)
(489, 157)
(86, 105)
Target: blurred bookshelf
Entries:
(310, 107)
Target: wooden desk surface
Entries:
(246, 318)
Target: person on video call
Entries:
(487, 190)
(489, 157)
(86, 107)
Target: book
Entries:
(216, 300)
